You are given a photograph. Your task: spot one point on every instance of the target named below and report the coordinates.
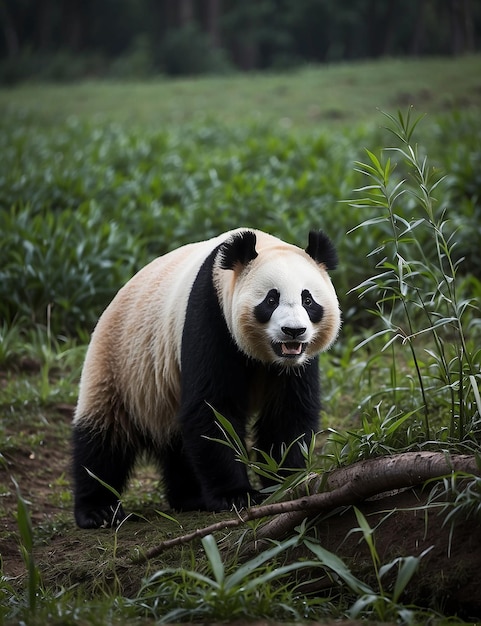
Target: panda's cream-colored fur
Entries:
(133, 361)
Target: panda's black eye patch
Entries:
(264, 310)
(314, 310)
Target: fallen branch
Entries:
(342, 487)
(366, 479)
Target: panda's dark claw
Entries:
(234, 501)
(108, 516)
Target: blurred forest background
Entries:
(61, 40)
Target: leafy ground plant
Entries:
(248, 592)
(26, 548)
(419, 299)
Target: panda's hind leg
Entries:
(182, 488)
(100, 457)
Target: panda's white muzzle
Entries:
(287, 346)
(290, 332)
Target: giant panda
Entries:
(235, 324)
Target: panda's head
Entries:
(278, 300)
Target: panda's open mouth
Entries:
(289, 349)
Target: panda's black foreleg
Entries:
(108, 460)
(291, 412)
(213, 372)
(182, 487)
(223, 479)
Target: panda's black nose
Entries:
(293, 332)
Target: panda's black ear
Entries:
(321, 249)
(240, 249)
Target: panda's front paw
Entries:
(99, 517)
(234, 500)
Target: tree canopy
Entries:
(195, 36)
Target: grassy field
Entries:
(309, 98)
(96, 179)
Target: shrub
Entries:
(188, 51)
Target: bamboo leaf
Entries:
(215, 561)
(337, 565)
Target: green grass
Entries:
(98, 178)
(305, 98)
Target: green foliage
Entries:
(59, 268)
(459, 495)
(99, 202)
(26, 549)
(10, 344)
(187, 50)
(254, 589)
(417, 288)
(378, 435)
(84, 205)
(53, 365)
(135, 62)
(261, 463)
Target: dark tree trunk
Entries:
(169, 15)
(462, 29)
(44, 24)
(389, 27)
(247, 52)
(9, 31)
(73, 28)
(212, 15)
(468, 25)
(185, 12)
(417, 42)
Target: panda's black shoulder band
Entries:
(239, 249)
(321, 249)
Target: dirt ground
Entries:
(448, 579)
(37, 466)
